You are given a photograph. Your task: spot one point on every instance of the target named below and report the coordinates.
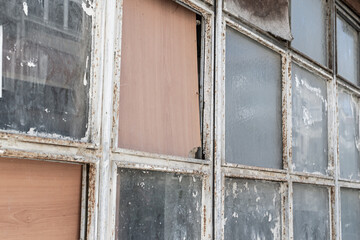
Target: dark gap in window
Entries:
(199, 25)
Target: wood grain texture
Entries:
(159, 106)
(39, 200)
(354, 5)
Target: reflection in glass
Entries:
(252, 209)
(311, 212)
(308, 26)
(157, 205)
(45, 67)
(347, 51)
(350, 214)
(348, 136)
(309, 121)
(252, 103)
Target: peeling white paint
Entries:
(31, 64)
(25, 8)
(89, 10)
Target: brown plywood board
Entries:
(39, 200)
(354, 5)
(159, 106)
(269, 15)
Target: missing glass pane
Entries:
(159, 82)
(157, 205)
(45, 68)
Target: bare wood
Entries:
(159, 106)
(39, 200)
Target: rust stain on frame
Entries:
(270, 15)
(159, 102)
(39, 200)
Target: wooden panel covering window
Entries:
(39, 200)
(159, 102)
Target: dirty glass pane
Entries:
(252, 103)
(347, 51)
(45, 66)
(157, 205)
(311, 212)
(309, 121)
(348, 136)
(350, 214)
(308, 26)
(252, 209)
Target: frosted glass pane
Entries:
(252, 103)
(347, 51)
(157, 205)
(350, 214)
(252, 209)
(309, 120)
(348, 136)
(308, 26)
(311, 213)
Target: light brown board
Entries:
(159, 106)
(39, 200)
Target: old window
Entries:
(158, 205)
(163, 114)
(348, 50)
(159, 89)
(45, 68)
(348, 135)
(309, 28)
(311, 212)
(309, 121)
(253, 209)
(316, 114)
(350, 213)
(253, 103)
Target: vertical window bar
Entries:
(66, 14)
(46, 10)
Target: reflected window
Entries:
(311, 212)
(45, 67)
(252, 209)
(157, 205)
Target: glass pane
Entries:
(350, 214)
(252, 103)
(45, 67)
(348, 136)
(347, 51)
(252, 209)
(311, 213)
(308, 26)
(309, 121)
(157, 205)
